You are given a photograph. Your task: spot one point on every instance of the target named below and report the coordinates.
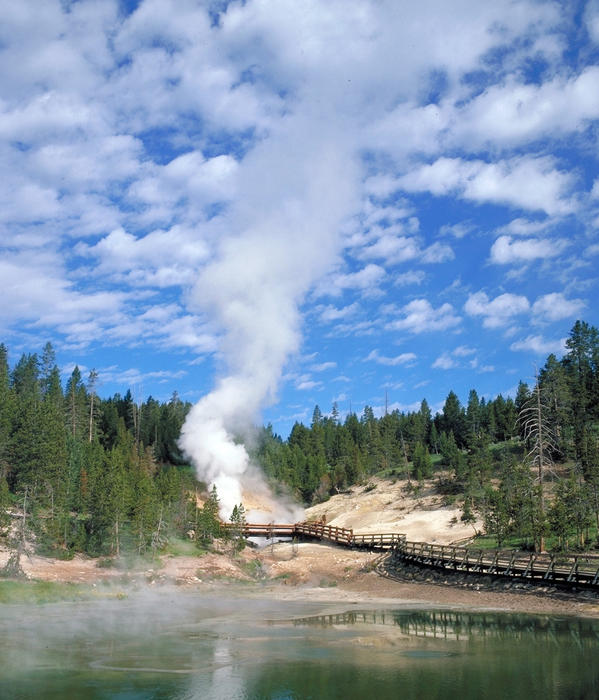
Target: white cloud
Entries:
(404, 358)
(506, 250)
(366, 280)
(332, 313)
(447, 360)
(419, 316)
(192, 176)
(524, 227)
(497, 312)
(463, 351)
(323, 366)
(308, 385)
(524, 182)
(437, 253)
(513, 113)
(357, 328)
(395, 249)
(410, 277)
(458, 231)
(35, 290)
(444, 361)
(591, 18)
(392, 249)
(555, 307)
(135, 376)
(539, 346)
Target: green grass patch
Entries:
(327, 583)
(283, 576)
(254, 569)
(490, 542)
(181, 547)
(34, 592)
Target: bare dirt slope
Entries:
(384, 506)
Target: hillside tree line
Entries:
(96, 475)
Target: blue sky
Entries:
(297, 202)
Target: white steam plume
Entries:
(295, 190)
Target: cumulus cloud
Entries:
(591, 18)
(525, 182)
(366, 280)
(464, 351)
(458, 231)
(419, 316)
(512, 113)
(444, 361)
(410, 277)
(331, 313)
(451, 360)
(539, 345)
(555, 307)
(521, 226)
(505, 250)
(177, 247)
(496, 312)
(395, 249)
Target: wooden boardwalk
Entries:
(324, 533)
(581, 570)
(573, 570)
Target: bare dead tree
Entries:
(541, 442)
(13, 568)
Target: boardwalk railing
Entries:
(572, 569)
(320, 531)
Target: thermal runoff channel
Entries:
(285, 236)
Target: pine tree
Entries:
(7, 409)
(453, 419)
(238, 523)
(209, 522)
(5, 502)
(76, 406)
(25, 450)
(93, 405)
(473, 417)
(52, 437)
(145, 509)
(422, 462)
(582, 370)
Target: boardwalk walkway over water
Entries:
(580, 570)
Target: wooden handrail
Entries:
(575, 569)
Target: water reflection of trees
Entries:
(462, 626)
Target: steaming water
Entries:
(185, 647)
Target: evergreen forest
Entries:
(81, 473)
